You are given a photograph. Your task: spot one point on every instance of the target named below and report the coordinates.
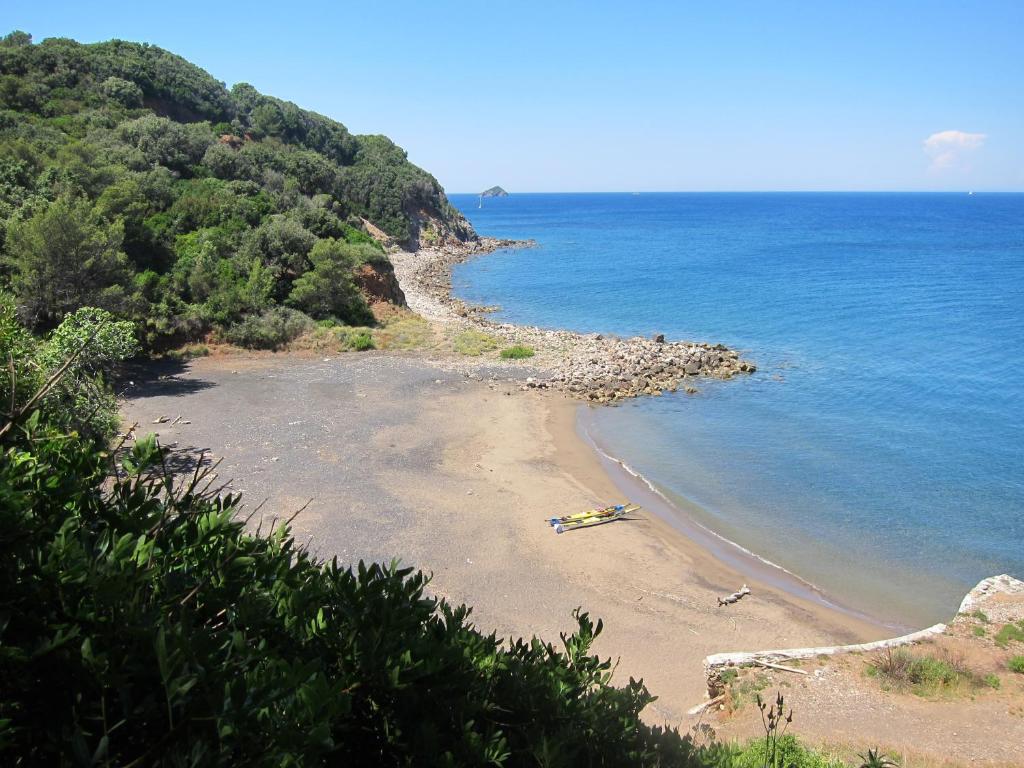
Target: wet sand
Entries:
(403, 459)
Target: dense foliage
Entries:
(133, 181)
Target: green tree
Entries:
(16, 39)
(328, 289)
(86, 347)
(65, 257)
(166, 142)
(125, 92)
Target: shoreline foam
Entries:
(742, 559)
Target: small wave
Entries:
(747, 552)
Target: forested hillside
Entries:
(133, 181)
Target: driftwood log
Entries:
(735, 597)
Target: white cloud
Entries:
(949, 149)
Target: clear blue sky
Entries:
(591, 96)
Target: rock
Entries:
(658, 338)
(377, 282)
(692, 368)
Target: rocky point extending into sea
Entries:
(593, 367)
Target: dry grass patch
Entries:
(404, 330)
(924, 674)
(474, 343)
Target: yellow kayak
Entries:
(593, 513)
(573, 525)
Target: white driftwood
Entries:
(735, 597)
(788, 654)
(779, 666)
(701, 707)
(975, 599)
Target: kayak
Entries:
(590, 522)
(592, 513)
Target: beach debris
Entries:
(735, 597)
(780, 667)
(176, 419)
(161, 420)
(709, 703)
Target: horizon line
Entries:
(964, 191)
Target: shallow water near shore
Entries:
(877, 453)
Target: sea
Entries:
(878, 451)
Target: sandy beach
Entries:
(400, 458)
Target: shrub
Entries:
(1010, 633)
(65, 257)
(924, 675)
(992, 681)
(329, 289)
(87, 345)
(978, 631)
(362, 341)
(877, 759)
(474, 343)
(516, 352)
(271, 330)
(789, 753)
(1016, 664)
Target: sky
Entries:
(624, 96)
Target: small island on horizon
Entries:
(494, 192)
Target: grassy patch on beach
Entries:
(788, 752)
(1010, 633)
(335, 339)
(923, 674)
(404, 330)
(744, 689)
(474, 343)
(516, 352)
(189, 352)
(1016, 664)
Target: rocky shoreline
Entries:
(591, 367)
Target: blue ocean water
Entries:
(878, 452)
